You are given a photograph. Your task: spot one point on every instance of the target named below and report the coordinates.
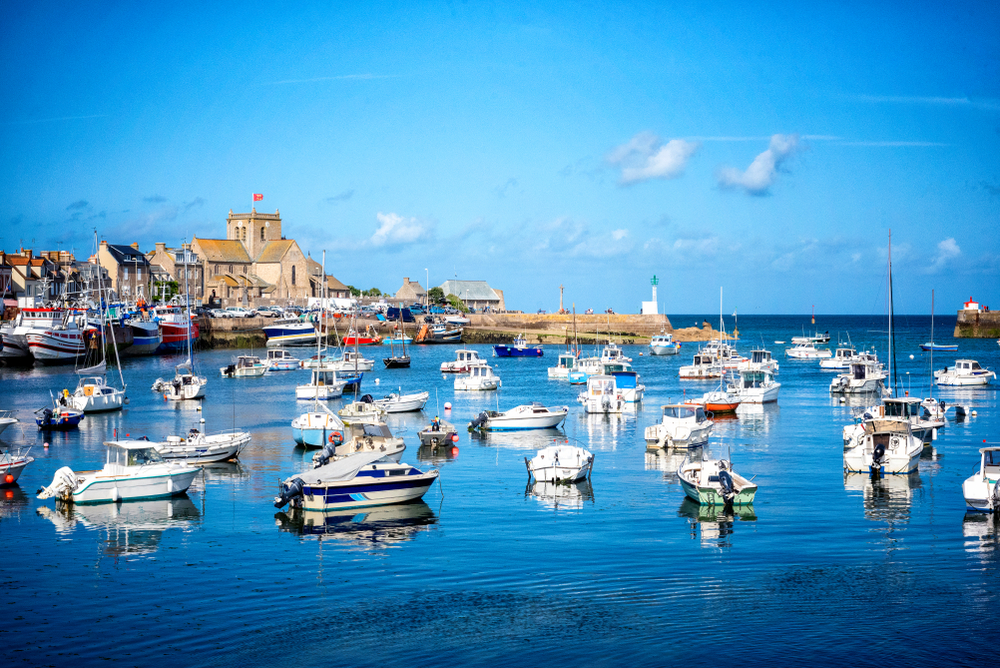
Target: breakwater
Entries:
(977, 325)
(551, 328)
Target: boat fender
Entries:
(290, 490)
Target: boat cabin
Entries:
(132, 453)
(684, 412)
(247, 361)
(279, 355)
(321, 377)
(93, 386)
(862, 370)
(967, 366)
(845, 353)
(760, 357)
(989, 465)
(467, 356)
(754, 378)
(598, 386)
(612, 353)
(372, 430)
(566, 361)
(902, 407)
(481, 371)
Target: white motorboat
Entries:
(133, 470)
(982, 489)
(964, 373)
(560, 464)
(682, 426)
(352, 360)
(911, 409)
(713, 482)
(397, 402)
(199, 448)
(94, 395)
(886, 446)
(12, 463)
(185, 384)
(527, 416)
(244, 366)
(478, 378)
(664, 344)
(279, 359)
(704, 366)
(627, 382)
(755, 385)
(760, 359)
(841, 359)
(6, 419)
(566, 363)
(363, 410)
(464, 360)
(813, 339)
(323, 385)
(807, 351)
(602, 396)
(866, 376)
(587, 366)
(612, 353)
(360, 480)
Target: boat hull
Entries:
(109, 489)
(146, 339)
(521, 424)
(56, 347)
(939, 347)
(514, 351)
(709, 496)
(204, 450)
(365, 491)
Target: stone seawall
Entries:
(977, 325)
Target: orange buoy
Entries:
(454, 438)
(9, 478)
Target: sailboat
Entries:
(93, 394)
(930, 345)
(185, 385)
(395, 361)
(886, 444)
(320, 426)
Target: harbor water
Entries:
(825, 568)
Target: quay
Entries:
(484, 328)
(977, 324)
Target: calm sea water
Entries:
(621, 571)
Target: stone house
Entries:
(179, 265)
(410, 292)
(475, 294)
(128, 269)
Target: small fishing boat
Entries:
(602, 396)
(464, 360)
(755, 386)
(363, 410)
(369, 338)
(664, 344)
(982, 489)
(351, 360)
(866, 376)
(717, 401)
(812, 339)
(396, 360)
(963, 374)
(713, 482)
(527, 416)
(478, 379)
(627, 382)
(199, 448)
(682, 426)
(519, 348)
(185, 384)
(60, 417)
(704, 366)
(133, 470)
(279, 359)
(886, 446)
(244, 366)
(397, 402)
(560, 464)
(565, 364)
(359, 480)
(760, 359)
(323, 385)
(290, 332)
(318, 428)
(841, 360)
(438, 432)
(12, 463)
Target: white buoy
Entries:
(202, 421)
(198, 409)
(376, 381)
(447, 405)
(911, 356)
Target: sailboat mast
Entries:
(187, 299)
(932, 344)
(892, 335)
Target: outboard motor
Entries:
(324, 456)
(606, 403)
(231, 370)
(289, 490)
(47, 417)
(878, 459)
(367, 399)
(479, 421)
(995, 498)
(728, 489)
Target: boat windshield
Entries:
(898, 409)
(681, 412)
(140, 456)
(377, 430)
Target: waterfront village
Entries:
(255, 270)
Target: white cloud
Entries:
(946, 251)
(394, 230)
(646, 157)
(761, 173)
(618, 235)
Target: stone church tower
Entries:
(254, 229)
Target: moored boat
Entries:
(12, 464)
(664, 344)
(982, 489)
(478, 379)
(602, 396)
(464, 360)
(519, 348)
(397, 402)
(682, 426)
(560, 464)
(527, 416)
(199, 448)
(713, 482)
(964, 373)
(244, 366)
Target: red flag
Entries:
(257, 197)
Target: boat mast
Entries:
(187, 298)
(319, 354)
(892, 348)
(932, 344)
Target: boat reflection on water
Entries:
(222, 472)
(13, 502)
(887, 499)
(129, 528)
(604, 431)
(376, 527)
(982, 536)
(757, 419)
(714, 525)
(437, 454)
(855, 401)
(670, 460)
(561, 495)
(528, 439)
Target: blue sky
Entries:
(767, 150)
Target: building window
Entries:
(293, 274)
(125, 273)
(230, 269)
(262, 234)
